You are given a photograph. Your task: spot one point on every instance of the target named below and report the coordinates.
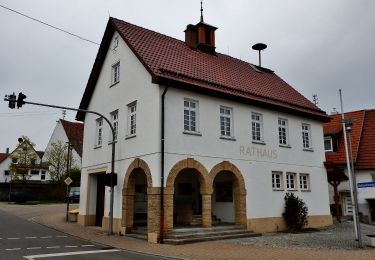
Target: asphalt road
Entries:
(23, 239)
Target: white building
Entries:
(68, 133)
(38, 173)
(213, 137)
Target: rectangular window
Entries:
(277, 178)
(6, 172)
(132, 119)
(34, 172)
(328, 144)
(304, 181)
(306, 136)
(115, 73)
(283, 131)
(256, 127)
(99, 132)
(114, 119)
(290, 181)
(191, 115)
(43, 175)
(226, 121)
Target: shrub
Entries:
(295, 212)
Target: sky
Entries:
(317, 46)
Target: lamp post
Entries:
(348, 128)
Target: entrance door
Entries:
(100, 193)
(371, 205)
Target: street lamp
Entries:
(349, 127)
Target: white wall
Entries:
(135, 85)
(256, 168)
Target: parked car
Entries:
(73, 197)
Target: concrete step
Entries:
(137, 236)
(211, 237)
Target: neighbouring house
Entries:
(68, 133)
(36, 173)
(362, 138)
(215, 138)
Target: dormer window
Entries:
(328, 146)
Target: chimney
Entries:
(201, 36)
(7, 151)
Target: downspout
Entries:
(162, 166)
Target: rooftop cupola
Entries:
(201, 36)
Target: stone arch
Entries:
(205, 191)
(239, 189)
(128, 193)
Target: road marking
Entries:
(50, 247)
(12, 249)
(46, 237)
(31, 257)
(61, 236)
(36, 247)
(70, 246)
(29, 237)
(13, 238)
(86, 245)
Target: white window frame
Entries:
(114, 121)
(257, 122)
(99, 132)
(291, 183)
(277, 180)
(284, 127)
(191, 115)
(115, 73)
(132, 119)
(328, 138)
(304, 182)
(306, 136)
(226, 117)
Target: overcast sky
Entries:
(317, 46)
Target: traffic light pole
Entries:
(110, 229)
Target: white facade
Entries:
(59, 134)
(255, 160)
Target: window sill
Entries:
(292, 190)
(308, 149)
(306, 190)
(109, 143)
(192, 133)
(285, 146)
(258, 142)
(97, 146)
(113, 84)
(275, 189)
(229, 138)
(130, 136)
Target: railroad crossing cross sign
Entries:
(68, 181)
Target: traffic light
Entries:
(12, 100)
(20, 100)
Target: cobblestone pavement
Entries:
(269, 246)
(338, 236)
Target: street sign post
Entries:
(68, 181)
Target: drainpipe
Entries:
(162, 168)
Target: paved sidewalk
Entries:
(53, 216)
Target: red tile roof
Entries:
(171, 60)
(362, 135)
(366, 152)
(3, 156)
(74, 132)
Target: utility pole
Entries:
(13, 100)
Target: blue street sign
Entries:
(366, 184)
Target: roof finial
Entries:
(201, 12)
